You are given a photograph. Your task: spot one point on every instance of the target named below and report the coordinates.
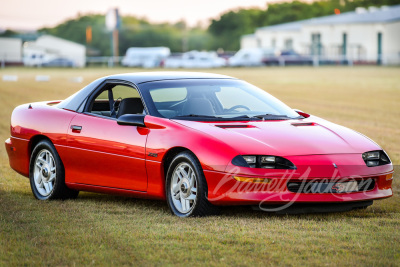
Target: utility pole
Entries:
(115, 35)
(185, 41)
(113, 23)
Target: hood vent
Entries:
(234, 126)
(304, 124)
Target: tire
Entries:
(46, 174)
(186, 188)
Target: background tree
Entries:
(227, 30)
(224, 32)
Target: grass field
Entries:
(99, 229)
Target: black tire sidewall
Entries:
(59, 181)
(201, 195)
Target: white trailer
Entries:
(145, 57)
(10, 51)
(196, 59)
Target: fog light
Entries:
(372, 163)
(268, 166)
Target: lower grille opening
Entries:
(321, 187)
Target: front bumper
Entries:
(223, 189)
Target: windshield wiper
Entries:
(194, 116)
(272, 117)
(243, 117)
(212, 118)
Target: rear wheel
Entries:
(46, 173)
(186, 187)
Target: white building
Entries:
(11, 50)
(47, 48)
(365, 35)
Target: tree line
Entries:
(227, 29)
(223, 32)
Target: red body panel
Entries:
(28, 121)
(315, 137)
(110, 158)
(104, 153)
(18, 154)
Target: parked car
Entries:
(34, 59)
(145, 57)
(195, 59)
(197, 141)
(59, 62)
(248, 57)
(288, 57)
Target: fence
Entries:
(286, 60)
(108, 61)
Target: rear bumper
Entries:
(223, 189)
(18, 154)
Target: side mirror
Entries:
(132, 120)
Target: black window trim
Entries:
(86, 103)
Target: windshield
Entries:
(216, 99)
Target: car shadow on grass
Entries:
(160, 206)
(115, 204)
(123, 201)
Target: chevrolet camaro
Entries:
(196, 140)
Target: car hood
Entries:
(311, 136)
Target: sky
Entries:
(34, 14)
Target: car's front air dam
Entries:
(224, 189)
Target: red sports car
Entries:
(196, 140)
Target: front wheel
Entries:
(46, 173)
(186, 187)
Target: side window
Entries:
(126, 100)
(123, 91)
(103, 96)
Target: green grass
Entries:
(100, 229)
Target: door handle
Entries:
(76, 128)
